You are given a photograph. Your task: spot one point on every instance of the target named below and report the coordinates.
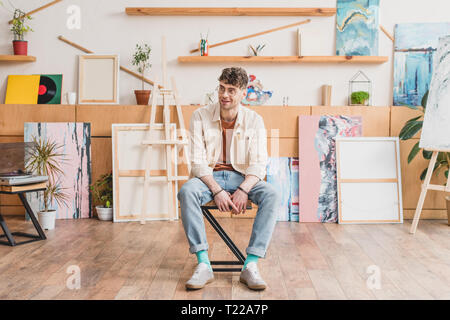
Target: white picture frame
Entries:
(369, 180)
(128, 154)
(98, 79)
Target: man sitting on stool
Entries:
(229, 158)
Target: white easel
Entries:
(427, 186)
(170, 142)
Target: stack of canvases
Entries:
(339, 176)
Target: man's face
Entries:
(230, 96)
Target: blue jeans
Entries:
(195, 193)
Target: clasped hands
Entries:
(236, 202)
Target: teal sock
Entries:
(202, 256)
(250, 258)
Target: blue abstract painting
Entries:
(282, 173)
(415, 46)
(357, 27)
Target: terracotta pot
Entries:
(20, 47)
(142, 96)
(447, 198)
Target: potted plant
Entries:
(19, 28)
(409, 130)
(360, 98)
(141, 59)
(45, 160)
(102, 190)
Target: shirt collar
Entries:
(216, 114)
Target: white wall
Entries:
(105, 28)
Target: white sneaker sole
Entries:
(198, 286)
(255, 287)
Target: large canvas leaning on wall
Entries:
(436, 126)
(317, 159)
(369, 180)
(415, 47)
(75, 141)
(357, 27)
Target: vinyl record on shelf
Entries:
(47, 90)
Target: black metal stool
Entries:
(230, 244)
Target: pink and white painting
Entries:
(317, 154)
(75, 139)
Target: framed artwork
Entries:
(317, 159)
(414, 50)
(98, 79)
(75, 139)
(369, 180)
(357, 27)
(129, 169)
(435, 134)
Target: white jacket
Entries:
(248, 150)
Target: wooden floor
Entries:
(304, 261)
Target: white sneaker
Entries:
(251, 277)
(202, 276)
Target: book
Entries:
(27, 187)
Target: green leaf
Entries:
(414, 151)
(427, 154)
(410, 130)
(446, 174)
(425, 100)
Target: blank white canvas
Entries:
(131, 156)
(366, 202)
(98, 81)
(369, 158)
(436, 126)
(372, 160)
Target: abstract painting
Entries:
(256, 96)
(75, 139)
(282, 173)
(357, 27)
(415, 46)
(436, 127)
(317, 155)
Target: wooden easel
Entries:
(427, 186)
(170, 142)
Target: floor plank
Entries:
(303, 261)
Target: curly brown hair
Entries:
(235, 76)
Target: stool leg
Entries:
(36, 224)
(224, 235)
(8, 234)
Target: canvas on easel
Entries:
(435, 134)
(129, 164)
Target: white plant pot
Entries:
(104, 214)
(47, 219)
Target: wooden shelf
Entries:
(201, 11)
(13, 58)
(278, 59)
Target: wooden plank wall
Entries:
(280, 122)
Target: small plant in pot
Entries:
(360, 98)
(409, 130)
(141, 59)
(19, 28)
(102, 190)
(45, 160)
